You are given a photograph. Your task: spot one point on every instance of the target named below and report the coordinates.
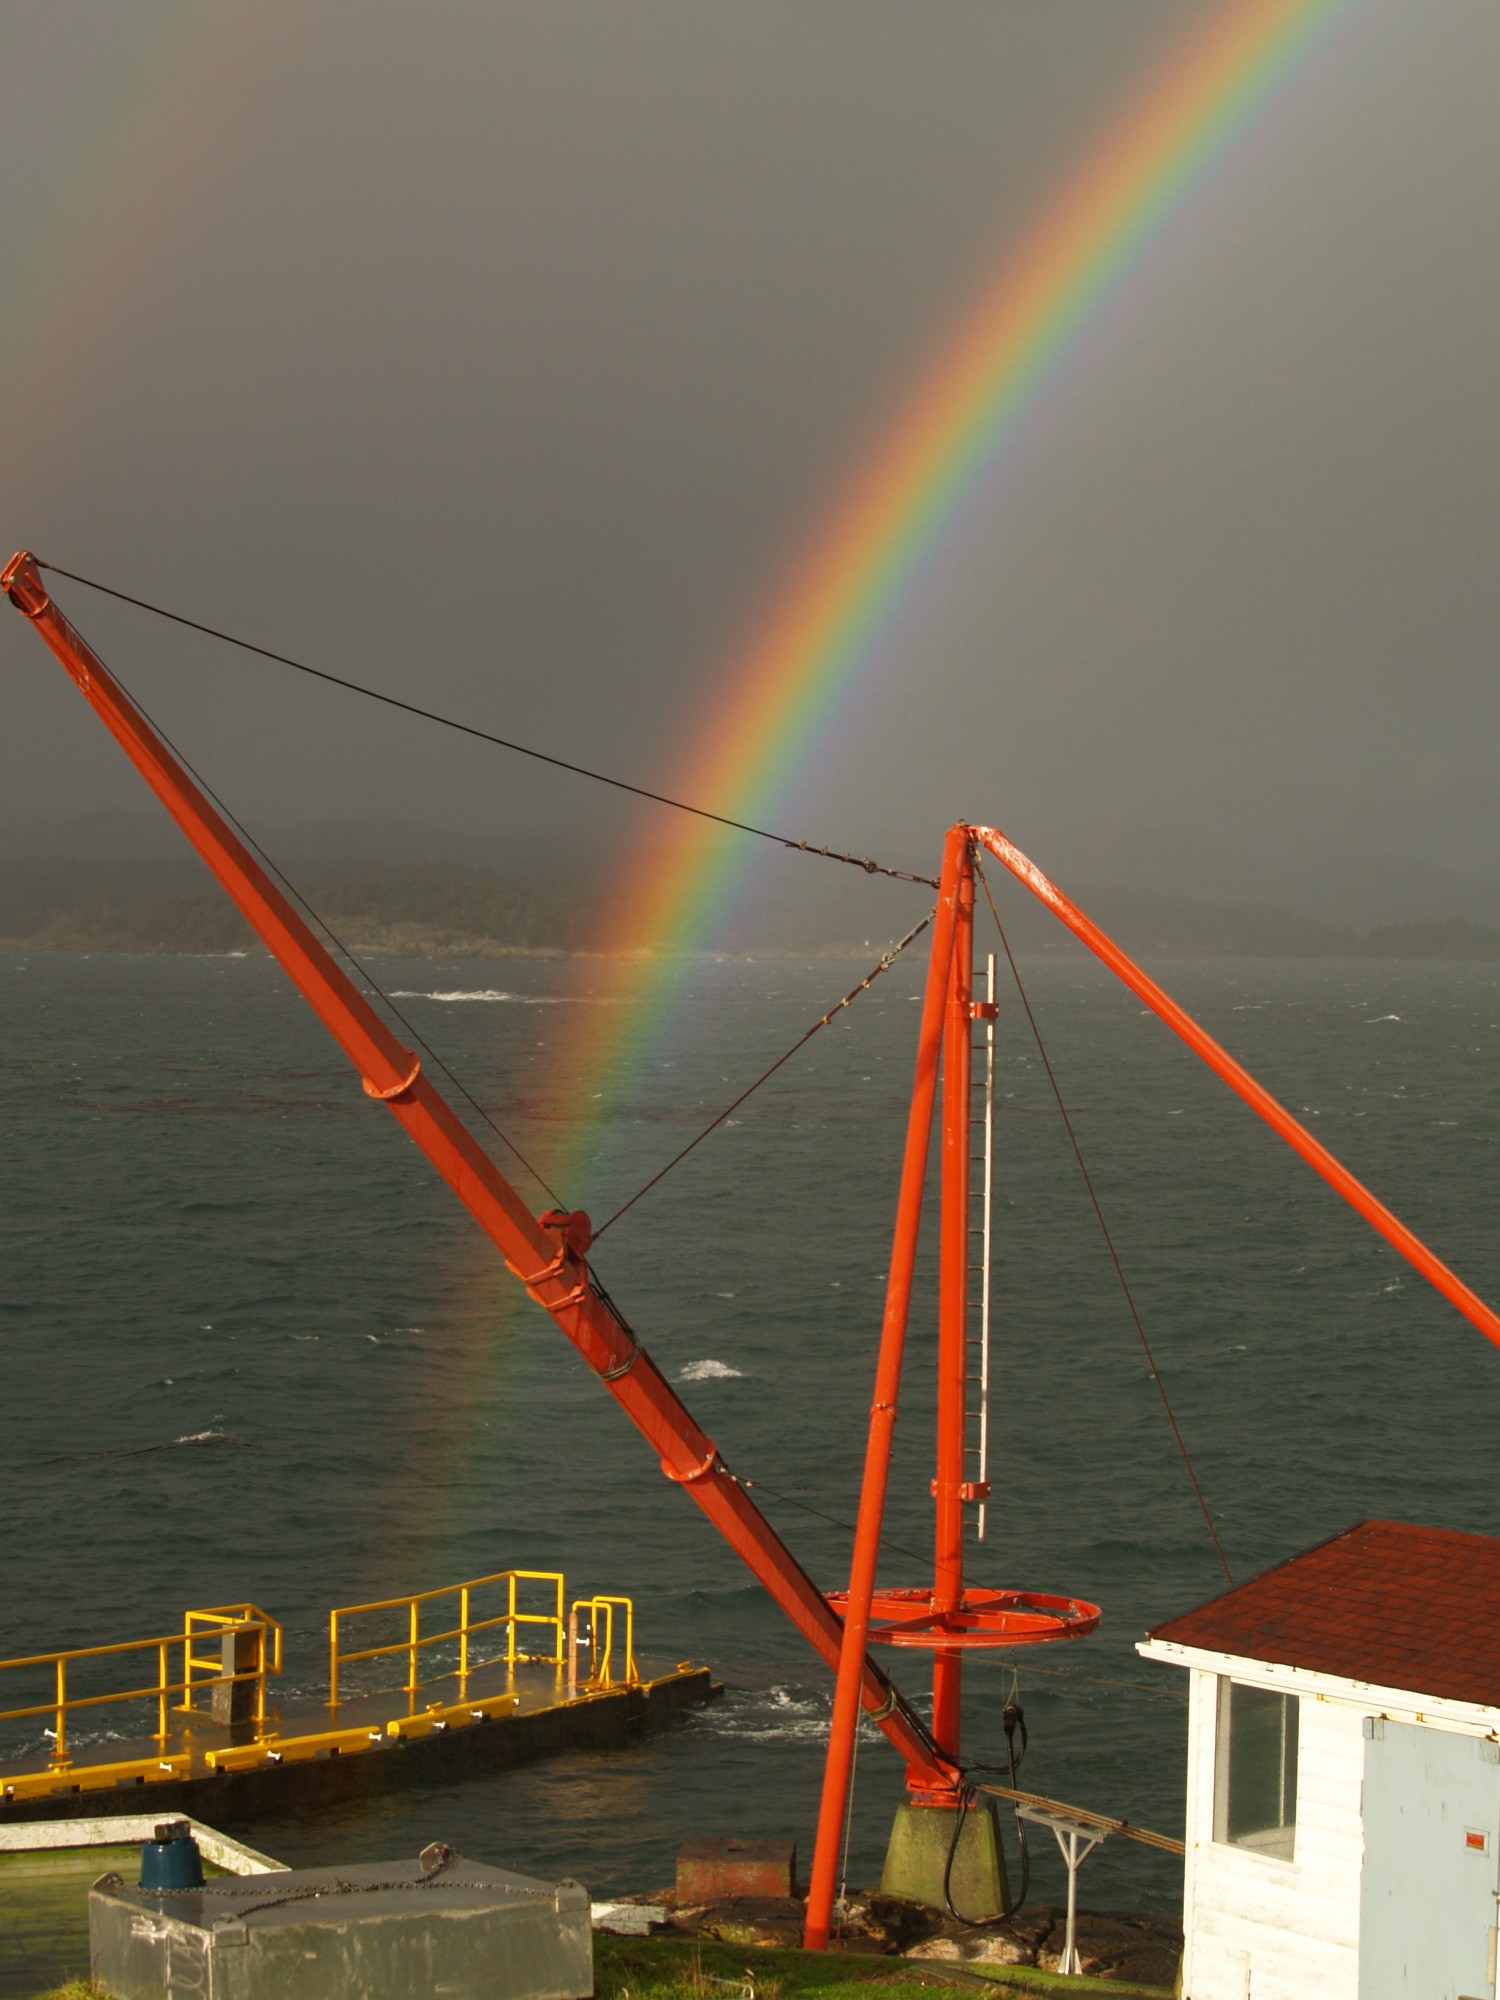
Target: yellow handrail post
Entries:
(60, 1734)
(164, 1681)
(463, 1636)
(411, 1650)
(631, 1675)
(333, 1659)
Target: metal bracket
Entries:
(574, 1298)
(695, 1472)
(396, 1089)
(547, 1271)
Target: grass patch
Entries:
(695, 1969)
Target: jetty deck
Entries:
(226, 1748)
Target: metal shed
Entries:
(1343, 1785)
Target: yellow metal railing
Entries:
(601, 1643)
(227, 1645)
(417, 1641)
(196, 1672)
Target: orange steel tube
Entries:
(550, 1265)
(953, 1312)
(847, 1690)
(1240, 1081)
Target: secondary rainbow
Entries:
(113, 202)
(927, 472)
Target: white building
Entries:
(1343, 1788)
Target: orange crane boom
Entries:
(1243, 1084)
(546, 1253)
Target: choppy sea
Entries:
(252, 1349)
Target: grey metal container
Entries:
(385, 1930)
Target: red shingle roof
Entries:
(1400, 1606)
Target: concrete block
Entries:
(399, 1930)
(715, 1871)
(917, 1857)
(627, 1919)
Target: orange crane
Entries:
(548, 1254)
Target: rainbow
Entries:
(116, 200)
(857, 575)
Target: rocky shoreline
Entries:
(1115, 1945)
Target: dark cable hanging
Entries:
(484, 736)
(1109, 1241)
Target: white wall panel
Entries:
(1261, 1929)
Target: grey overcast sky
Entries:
(506, 355)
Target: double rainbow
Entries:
(773, 701)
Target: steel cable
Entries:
(339, 945)
(1109, 1241)
(713, 1125)
(860, 861)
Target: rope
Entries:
(713, 1124)
(339, 945)
(1101, 1680)
(484, 736)
(1109, 1241)
(849, 1817)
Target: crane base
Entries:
(917, 1857)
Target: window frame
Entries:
(1277, 1841)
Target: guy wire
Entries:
(339, 945)
(848, 1000)
(862, 861)
(1109, 1241)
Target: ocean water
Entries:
(252, 1349)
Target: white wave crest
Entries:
(493, 994)
(777, 1716)
(710, 1371)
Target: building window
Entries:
(1255, 1769)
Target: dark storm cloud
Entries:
(506, 356)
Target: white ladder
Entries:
(981, 1231)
